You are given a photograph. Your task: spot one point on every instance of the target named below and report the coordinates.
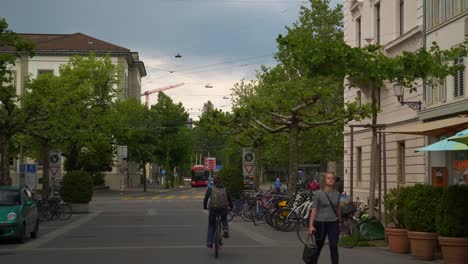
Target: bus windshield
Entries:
(199, 175)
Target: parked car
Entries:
(18, 214)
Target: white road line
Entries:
(289, 245)
(54, 234)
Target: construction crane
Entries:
(147, 93)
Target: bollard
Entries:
(121, 190)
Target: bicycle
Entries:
(52, 209)
(217, 238)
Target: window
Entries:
(12, 162)
(438, 92)
(438, 11)
(402, 17)
(40, 72)
(359, 164)
(458, 85)
(401, 162)
(358, 32)
(377, 23)
(358, 98)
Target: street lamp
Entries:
(400, 92)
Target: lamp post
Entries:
(400, 92)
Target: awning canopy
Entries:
(445, 127)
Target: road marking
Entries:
(151, 212)
(199, 196)
(141, 198)
(52, 249)
(60, 231)
(155, 197)
(170, 197)
(183, 197)
(127, 198)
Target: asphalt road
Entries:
(167, 227)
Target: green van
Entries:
(18, 214)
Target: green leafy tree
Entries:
(11, 119)
(134, 128)
(172, 145)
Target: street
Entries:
(167, 227)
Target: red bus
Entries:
(199, 176)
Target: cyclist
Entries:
(220, 202)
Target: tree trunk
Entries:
(144, 177)
(257, 164)
(374, 158)
(293, 137)
(5, 178)
(45, 169)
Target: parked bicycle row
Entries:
(292, 213)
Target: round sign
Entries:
(248, 157)
(54, 158)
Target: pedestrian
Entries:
(278, 186)
(324, 219)
(220, 202)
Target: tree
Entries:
(135, 128)
(11, 120)
(171, 119)
(304, 90)
(90, 90)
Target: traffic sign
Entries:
(55, 164)
(248, 165)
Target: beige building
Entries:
(414, 119)
(54, 50)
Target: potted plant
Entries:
(419, 217)
(77, 189)
(452, 224)
(397, 234)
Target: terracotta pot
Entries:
(423, 244)
(398, 240)
(454, 249)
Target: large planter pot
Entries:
(80, 208)
(454, 249)
(398, 240)
(423, 244)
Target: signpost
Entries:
(248, 164)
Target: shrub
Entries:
(420, 209)
(452, 212)
(77, 187)
(232, 180)
(98, 179)
(394, 202)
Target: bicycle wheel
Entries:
(44, 215)
(230, 215)
(245, 214)
(258, 216)
(286, 219)
(64, 211)
(217, 238)
(302, 231)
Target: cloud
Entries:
(220, 73)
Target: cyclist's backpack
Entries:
(219, 198)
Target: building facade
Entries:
(402, 25)
(54, 50)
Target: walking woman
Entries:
(324, 219)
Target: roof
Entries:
(438, 128)
(71, 42)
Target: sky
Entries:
(221, 41)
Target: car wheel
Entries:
(22, 236)
(35, 233)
